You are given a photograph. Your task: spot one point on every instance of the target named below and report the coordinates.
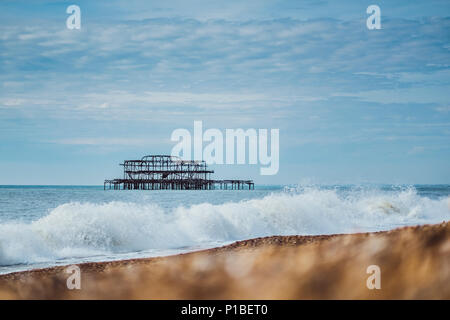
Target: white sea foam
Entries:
(86, 229)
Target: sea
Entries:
(44, 226)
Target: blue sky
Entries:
(353, 105)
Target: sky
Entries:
(353, 105)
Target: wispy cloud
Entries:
(108, 141)
(223, 64)
(443, 109)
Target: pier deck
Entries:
(162, 172)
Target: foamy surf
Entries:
(94, 229)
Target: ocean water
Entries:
(44, 226)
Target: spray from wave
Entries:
(87, 229)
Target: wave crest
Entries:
(86, 229)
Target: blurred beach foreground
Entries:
(414, 264)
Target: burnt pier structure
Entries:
(163, 172)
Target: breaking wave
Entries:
(87, 229)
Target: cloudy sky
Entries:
(353, 105)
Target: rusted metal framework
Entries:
(163, 172)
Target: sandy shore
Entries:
(414, 264)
